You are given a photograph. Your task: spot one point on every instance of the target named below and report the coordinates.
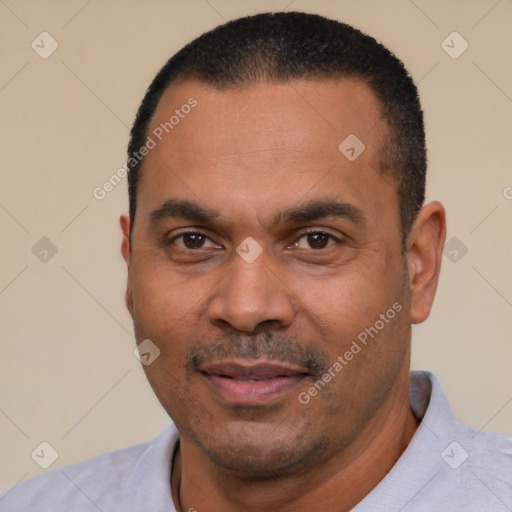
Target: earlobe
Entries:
(424, 253)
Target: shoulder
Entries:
(475, 472)
(473, 468)
(487, 462)
(447, 465)
(465, 446)
(102, 480)
(462, 445)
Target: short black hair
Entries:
(284, 46)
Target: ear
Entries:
(124, 221)
(424, 253)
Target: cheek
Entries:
(159, 293)
(170, 309)
(161, 313)
(348, 300)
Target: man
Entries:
(278, 250)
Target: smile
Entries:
(246, 382)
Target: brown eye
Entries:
(193, 241)
(315, 241)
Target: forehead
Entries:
(267, 142)
(309, 111)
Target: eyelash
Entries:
(173, 239)
(319, 232)
(304, 234)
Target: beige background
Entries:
(67, 370)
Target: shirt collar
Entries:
(148, 487)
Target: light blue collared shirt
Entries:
(446, 467)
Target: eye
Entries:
(315, 240)
(193, 240)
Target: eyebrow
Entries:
(307, 212)
(183, 209)
(320, 209)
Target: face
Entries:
(263, 261)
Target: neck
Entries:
(339, 483)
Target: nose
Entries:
(251, 297)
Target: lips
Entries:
(253, 382)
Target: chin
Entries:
(261, 455)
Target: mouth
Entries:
(252, 382)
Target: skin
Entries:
(250, 154)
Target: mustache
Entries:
(263, 345)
